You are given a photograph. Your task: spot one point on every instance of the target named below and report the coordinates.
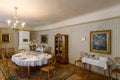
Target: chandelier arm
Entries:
(16, 13)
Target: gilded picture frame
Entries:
(100, 41)
(44, 38)
(5, 38)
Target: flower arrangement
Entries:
(33, 45)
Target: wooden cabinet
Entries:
(61, 48)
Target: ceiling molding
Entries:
(110, 13)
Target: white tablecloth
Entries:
(96, 62)
(31, 58)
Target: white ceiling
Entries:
(45, 12)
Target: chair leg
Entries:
(111, 76)
(116, 76)
(48, 75)
(75, 63)
(40, 74)
(83, 66)
(75, 69)
(53, 74)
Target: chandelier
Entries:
(16, 25)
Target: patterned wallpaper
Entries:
(13, 39)
(78, 32)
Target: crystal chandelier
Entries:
(16, 24)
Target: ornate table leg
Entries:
(109, 71)
(104, 74)
(89, 67)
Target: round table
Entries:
(31, 59)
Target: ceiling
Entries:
(45, 12)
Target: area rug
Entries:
(61, 73)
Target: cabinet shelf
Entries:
(61, 48)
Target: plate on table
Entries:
(23, 58)
(17, 55)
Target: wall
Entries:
(77, 32)
(110, 12)
(13, 39)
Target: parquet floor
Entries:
(79, 74)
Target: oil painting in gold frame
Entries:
(44, 38)
(100, 41)
(5, 38)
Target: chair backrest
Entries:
(11, 51)
(4, 51)
(21, 50)
(4, 67)
(48, 50)
(117, 61)
(82, 54)
(52, 62)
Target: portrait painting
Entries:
(100, 41)
(5, 38)
(44, 38)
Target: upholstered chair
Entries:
(116, 70)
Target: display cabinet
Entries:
(61, 48)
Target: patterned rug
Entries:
(61, 73)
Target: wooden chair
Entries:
(10, 52)
(116, 71)
(4, 51)
(48, 50)
(10, 63)
(5, 69)
(50, 67)
(79, 61)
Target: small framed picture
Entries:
(44, 38)
(5, 38)
(25, 40)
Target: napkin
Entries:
(103, 58)
(39, 49)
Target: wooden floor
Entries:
(79, 74)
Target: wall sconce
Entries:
(83, 39)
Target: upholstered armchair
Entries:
(116, 70)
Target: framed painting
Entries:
(44, 38)
(100, 41)
(25, 40)
(5, 38)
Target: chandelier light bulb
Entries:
(9, 22)
(23, 24)
(17, 21)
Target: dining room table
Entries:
(31, 59)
